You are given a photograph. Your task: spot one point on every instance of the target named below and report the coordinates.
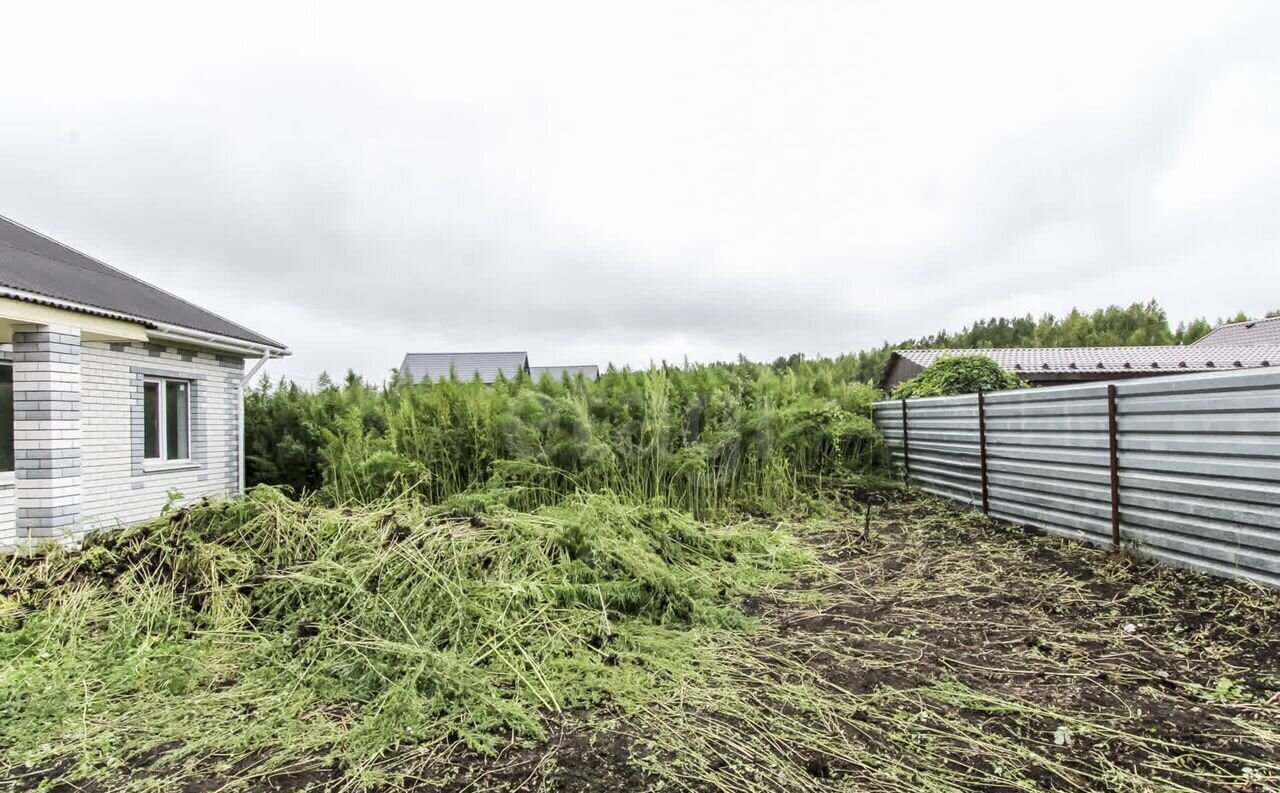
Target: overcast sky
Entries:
(603, 182)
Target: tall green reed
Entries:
(700, 438)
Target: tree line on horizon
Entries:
(1135, 325)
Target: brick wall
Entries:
(78, 433)
(46, 430)
(118, 487)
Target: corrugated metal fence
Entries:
(1185, 468)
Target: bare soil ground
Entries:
(941, 651)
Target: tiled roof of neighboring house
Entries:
(1029, 361)
(35, 264)
(433, 366)
(1255, 331)
(590, 371)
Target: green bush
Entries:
(960, 374)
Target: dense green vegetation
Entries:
(699, 439)
(960, 374)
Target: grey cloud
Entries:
(310, 205)
(320, 236)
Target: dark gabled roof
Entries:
(1101, 361)
(1254, 331)
(589, 371)
(432, 366)
(31, 262)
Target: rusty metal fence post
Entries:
(1115, 465)
(982, 451)
(906, 447)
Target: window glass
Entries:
(6, 418)
(175, 411)
(151, 420)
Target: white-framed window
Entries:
(166, 413)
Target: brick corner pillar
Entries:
(46, 431)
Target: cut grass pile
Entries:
(294, 648)
(254, 636)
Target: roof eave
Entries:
(217, 341)
(212, 339)
(70, 305)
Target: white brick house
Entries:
(113, 393)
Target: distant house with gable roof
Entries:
(487, 366)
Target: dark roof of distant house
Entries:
(1121, 361)
(432, 366)
(589, 371)
(1254, 331)
(33, 263)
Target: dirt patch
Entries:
(1086, 667)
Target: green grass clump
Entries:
(958, 374)
(266, 631)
